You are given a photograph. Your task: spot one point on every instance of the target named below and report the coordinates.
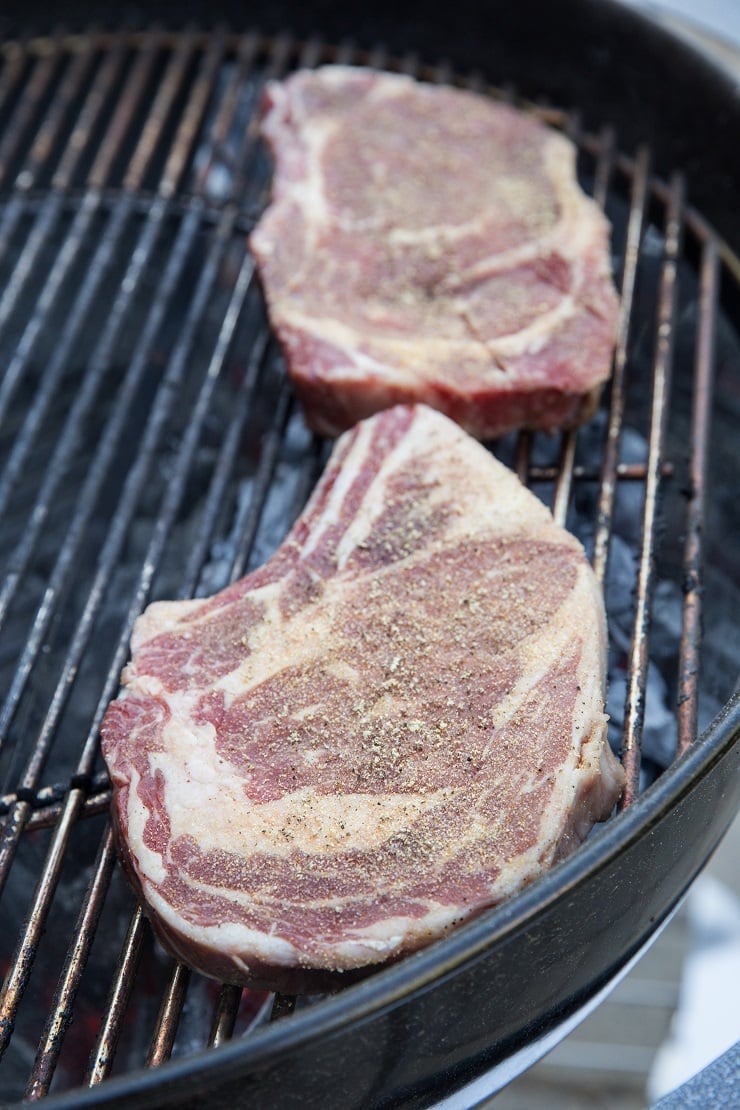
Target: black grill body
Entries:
(189, 461)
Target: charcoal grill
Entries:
(151, 447)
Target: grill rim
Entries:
(193, 1058)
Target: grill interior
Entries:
(151, 448)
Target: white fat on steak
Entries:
(427, 244)
(392, 725)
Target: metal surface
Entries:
(151, 448)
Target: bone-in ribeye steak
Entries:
(393, 724)
(426, 244)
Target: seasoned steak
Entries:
(392, 725)
(426, 244)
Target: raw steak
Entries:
(426, 244)
(394, 723)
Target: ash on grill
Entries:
(152, 449)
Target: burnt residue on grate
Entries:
(151, 448)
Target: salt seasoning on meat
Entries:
(427, 244)
(392, 725)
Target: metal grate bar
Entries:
(20, 964)
(101, 1057)
(49, 382)
(96, 802)
(626, 472)
(225, 1014)
(247, 527)
(126, 107)
(107, 82)
(46, 796)
(248, 46)
(173, 1000)
(25, 265)
(53, 122)
(168, 1017)
(224, 467)
(28, 106)
(228, 1004)
(61, 1012)
(84, 401)
(250, 528)
(564, 480)
(523, 455)
(604, 166)
(137, 477)
(566, 464)
(168, 89)
(688, 667)
(12, 73)
(256, 182)
(662, 368)
(607, 491)
(202, 90)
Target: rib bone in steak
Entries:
(393, 724)
(425, 244)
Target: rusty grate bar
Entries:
(20, 963)
(618, 384)
(168, 1017)
(688, 669)
(62, 105)
(97, 801)
(48, 796)
(29, 105)
(224, 120)
(224, 1016)
(101, 1059)
(62, 1009)
(566, 463)
(662, 371)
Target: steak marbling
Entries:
(426, 244)
(393, 724)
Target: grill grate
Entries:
(152, 449)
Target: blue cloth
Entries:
(715, 1087)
